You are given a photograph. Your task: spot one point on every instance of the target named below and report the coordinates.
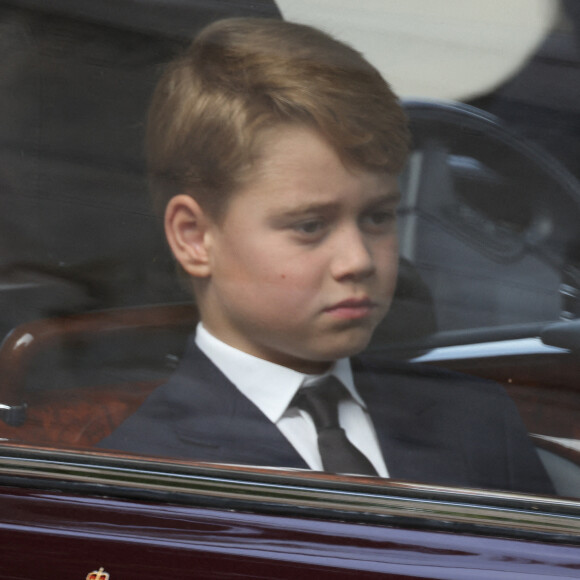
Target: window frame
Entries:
(307, 494)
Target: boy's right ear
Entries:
(186, 229)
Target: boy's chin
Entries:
(345, 348)
(316, 361)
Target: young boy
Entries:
(274, 152)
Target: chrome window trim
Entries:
(301, 494)
(502, 348)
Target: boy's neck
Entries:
(299, 365)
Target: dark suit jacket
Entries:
(433, 426)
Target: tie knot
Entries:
(321, 402)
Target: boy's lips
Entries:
(352, 308)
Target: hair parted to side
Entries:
(241, 76)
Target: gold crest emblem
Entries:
(99, 574)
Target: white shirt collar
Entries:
(271, 387)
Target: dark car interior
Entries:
(94, 316)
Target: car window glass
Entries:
(96, 316)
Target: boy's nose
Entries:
(354, 257)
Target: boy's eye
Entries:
(380, 219)
(309, 227)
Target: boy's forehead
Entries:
(302, 158)
(295, 197)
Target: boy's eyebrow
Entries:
(393, 197)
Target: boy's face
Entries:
(303, 264)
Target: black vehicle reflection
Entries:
(489, 221)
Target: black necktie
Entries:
(338, 454)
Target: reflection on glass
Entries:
(96, 316)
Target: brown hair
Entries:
(241, 76)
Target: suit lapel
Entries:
(407, 419)
(219, 416)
